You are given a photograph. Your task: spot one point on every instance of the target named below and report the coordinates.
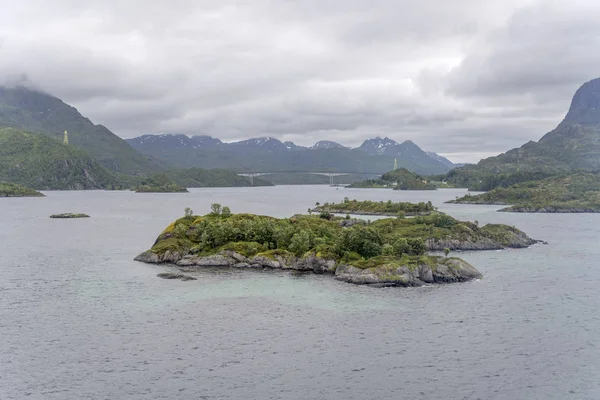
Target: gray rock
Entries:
(172, 275)
(215, 261)
(266, 262)
(148, 257)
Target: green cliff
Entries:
(40, 162)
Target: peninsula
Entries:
(567, 193)
(388, 252)
(14, 190)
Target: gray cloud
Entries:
(464, 78)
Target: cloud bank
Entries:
(463, 78)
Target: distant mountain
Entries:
(42, 163)
(573, 145)
(327, 144)
(267, 154)
(379, 146)
(444, 160)
(33, 111)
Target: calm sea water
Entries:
(80, 320)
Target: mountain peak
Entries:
(326, 144)
(378, 145)
(585, 106)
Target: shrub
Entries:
(387, 250)
(417, 246)
(300, 243)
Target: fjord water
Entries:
(80, 320)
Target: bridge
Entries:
(331, 175)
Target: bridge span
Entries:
(331, 175)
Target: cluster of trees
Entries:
(298, 235)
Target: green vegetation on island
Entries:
(563, 193)
(159, 184)
(390, 251)
(368, 207)
(70, 215)
(399, 179)
(14, 190)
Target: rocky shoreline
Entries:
(431, 269)
(550, 209)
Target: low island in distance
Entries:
(382, 208)
(387, 252)
(8, 189)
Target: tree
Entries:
(346, 200)
(188, 212)
(226, 212)
(401, 247)
(446, 252)
(417, 246)
(300, 243)
(215, 208)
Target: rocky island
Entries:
(385, 208)
(398, 179)
(387, 252)
(567, 193)
(14, 190)
(70, 215)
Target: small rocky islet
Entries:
(386, 252)
(69, 215)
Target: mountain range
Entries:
(268, 154)
(573, 145)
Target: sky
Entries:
(464, 78)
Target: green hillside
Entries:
(33, 111)
(42, 163)
(563, 193)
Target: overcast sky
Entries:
(464, 78)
